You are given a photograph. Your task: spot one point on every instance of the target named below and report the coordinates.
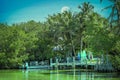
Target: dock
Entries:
(97, 64)
(73, 63)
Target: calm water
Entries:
(55, 75)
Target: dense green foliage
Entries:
(114, 28)
(63, 34)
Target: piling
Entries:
(73, 63)
(51, 66)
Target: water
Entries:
(55, 75)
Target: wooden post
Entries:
(86, 64)
(67, 60)
(56, 64)
(96, 67)
(107, 64)
(102, 65)
(51, 66)
(73, 62)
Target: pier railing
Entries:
(74, 62)
(98, 64)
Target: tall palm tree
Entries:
(62, 26)
(86, 10)
(114, 16)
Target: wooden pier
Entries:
(73, 63)
(97, 64)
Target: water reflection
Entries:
(68, 75)
(71, 75)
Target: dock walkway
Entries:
(98, 64)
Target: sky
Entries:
(16, 11)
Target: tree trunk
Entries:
(118, 15)
(81, 44)
(73, 47)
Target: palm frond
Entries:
(110, 6)
(113, 1)
(101, 1)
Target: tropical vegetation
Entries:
(62, 34)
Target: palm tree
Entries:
(114, 16)
(85, 11)
(62, 26)
(86, 8)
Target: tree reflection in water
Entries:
(32, 74)
(71, 75)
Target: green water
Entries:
(55, 75)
